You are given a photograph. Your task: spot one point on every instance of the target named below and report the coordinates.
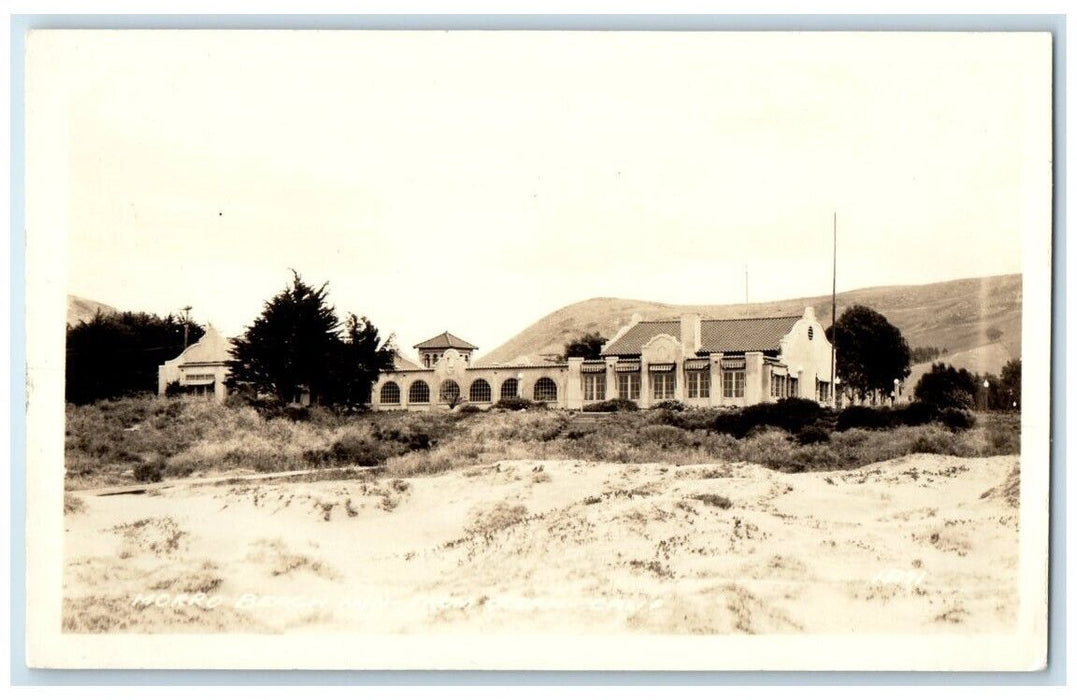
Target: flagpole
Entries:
(834, 319)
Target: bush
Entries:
(956, 419)
(917, 413)
(468, 409)
(669, 406)
(812, 434)
(863, 417)
(407, 436)
(611, 406)
(947, 387)
(515, 403)
(713, 499)
(790, 414)
(149, 471)
(351, 449)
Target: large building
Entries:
(699, 362)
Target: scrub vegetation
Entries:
(125, 441)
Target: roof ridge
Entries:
(756, 318)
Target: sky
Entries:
(475, 182)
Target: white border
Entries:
(46, 184)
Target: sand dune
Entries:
(918, 544)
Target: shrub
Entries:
(672, 405)
(73, 504)
(917, 413)
(661, 436)
(689, 418)
(947, 387)
(149, 471)
(351, 449)
(501, 516)
(863, 417)
(789, 414)
(713, 499)
(516, 403)
(468, 409)
(812, 434)
(956, 419)
(611, 406)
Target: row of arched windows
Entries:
(479, 391)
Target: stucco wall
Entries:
(810, 355)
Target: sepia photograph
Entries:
(538, 349)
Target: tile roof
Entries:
(445, 340)
(745, 334)
(717, 335)
(632, 342)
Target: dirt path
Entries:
(139, 489)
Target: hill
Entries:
(973, 319)
(79, 309)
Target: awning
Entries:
(660, 366)
(596, 368)
(733, 363)
(697, 364)
(779, 371)
(198, 380)
(626, 367)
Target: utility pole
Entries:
(186, 324)
(747, 311)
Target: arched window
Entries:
(510, 388)
(390, 392)
(545, 390)
(449, 392)
(419, 392)
(480, 391)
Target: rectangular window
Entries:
(699, 384)
(733, 383)
(594, 387)
(793, 387)
(663, 385)
(777, 385)
(628, 385)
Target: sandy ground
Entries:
(918, 544)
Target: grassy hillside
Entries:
(962, 316)
(79, 309)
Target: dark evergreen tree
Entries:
(117, 354)
(588, 346)
(871, 352)
(296, 346)
(362, 358)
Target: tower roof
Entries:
(445, 341)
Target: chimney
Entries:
(691, 333)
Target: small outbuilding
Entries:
(201, 369)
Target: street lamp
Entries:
(987, 385)
(897, 390)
